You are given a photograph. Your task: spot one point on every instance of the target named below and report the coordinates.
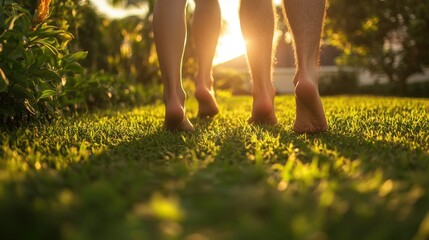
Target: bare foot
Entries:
(207, 105)
(310, 117)
(263, 109)
(175, 118)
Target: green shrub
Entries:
(341, 82)
(233, 81)
(100, 90)
(417, 89)
(35, 65)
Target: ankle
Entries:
(307, 74)
(204, 81)
(264, 92)
(178, 96)
(203, 88)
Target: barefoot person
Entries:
(169, 27)
(305, 19)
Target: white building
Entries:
(283, 76)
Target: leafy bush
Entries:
(116, 46)
(232, 80)
(100, 89)
(35, 65)
(419, 89)
(415, 90)
(341, 82)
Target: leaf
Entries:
(51, 33)
(29, 107)
(46, 94)
(49, 46)
(48, 75)
(12, 22)
(66, 35)
(11, 33)
(17, 53)
(29, 57)
(74, 67)
(76, 56)
(19, 78)
(21, 92)
(4, 82)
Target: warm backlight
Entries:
(231, 43)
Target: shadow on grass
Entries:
(167, 185)
(90, 197)
(393, 215)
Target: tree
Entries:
(383, 36)
(115, 46)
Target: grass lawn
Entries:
(118, 175)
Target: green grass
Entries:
(118, 175)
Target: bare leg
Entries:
(305, 18)
(257, 25)
(169, 28)
(206, 30)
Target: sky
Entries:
(231, 43)
(105, 8)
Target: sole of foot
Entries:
(176, 120)
(310, 116)
(207, 105)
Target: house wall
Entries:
(283, 77)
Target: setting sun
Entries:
(231, 43)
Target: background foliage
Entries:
(384, 37)
(40, 78)
(120, 68)
(35, 64)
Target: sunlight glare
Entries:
(113, 12)
(231, 43)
